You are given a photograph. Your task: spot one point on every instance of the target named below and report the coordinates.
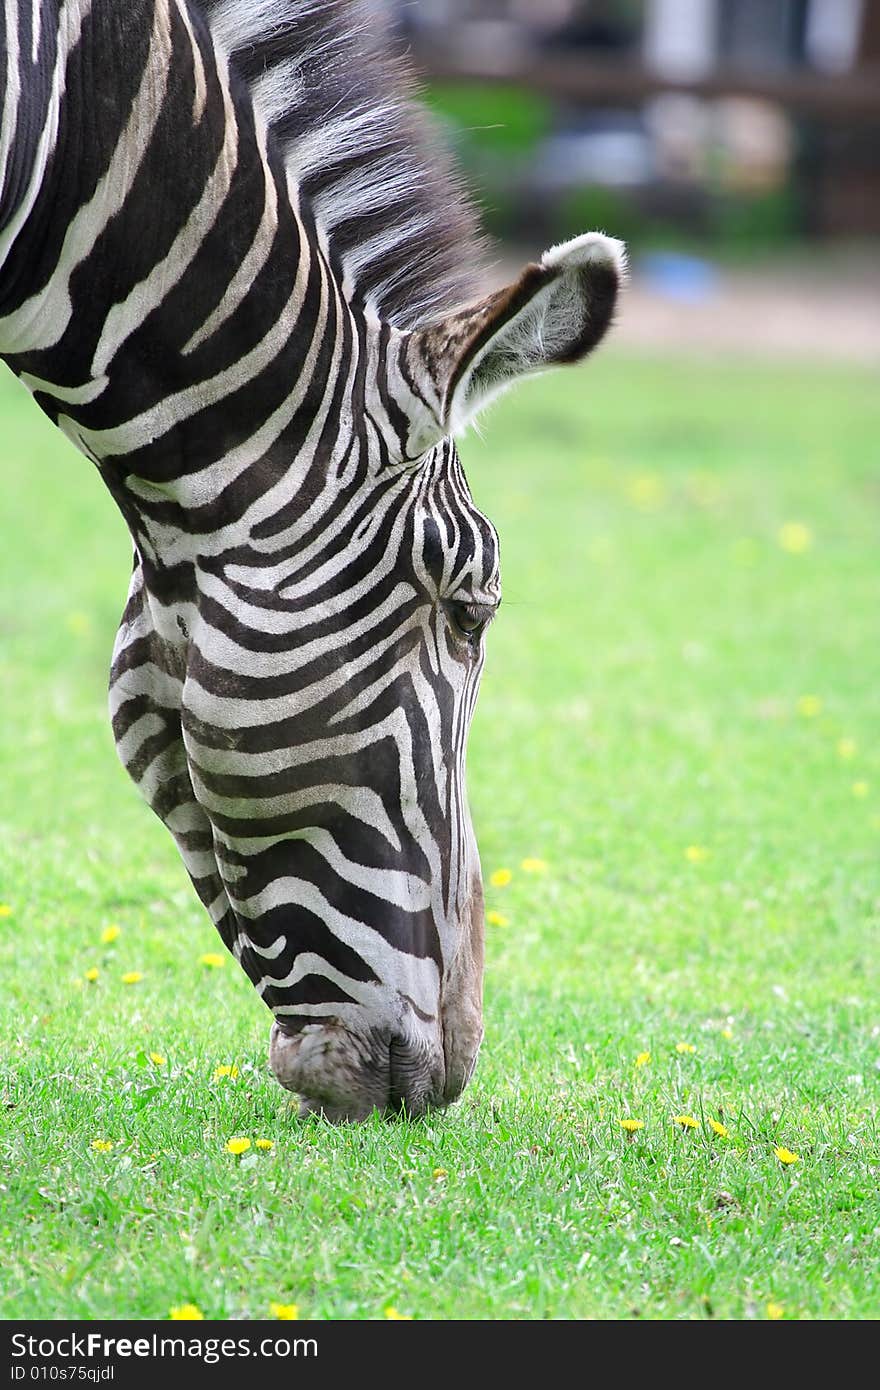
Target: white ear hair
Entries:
(556, 311)
(592, 248)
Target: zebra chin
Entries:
(344, 1074)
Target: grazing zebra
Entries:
(236, 273)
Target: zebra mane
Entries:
(398, 227)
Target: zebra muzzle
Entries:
(344, 1074)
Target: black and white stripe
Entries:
(232, 267)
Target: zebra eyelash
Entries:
(468, 618)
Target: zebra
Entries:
(239, 274)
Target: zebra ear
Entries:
(556, 311)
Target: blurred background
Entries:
(717, 137)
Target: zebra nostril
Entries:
(416, 1078)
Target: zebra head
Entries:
(377, 887)
(228, 259)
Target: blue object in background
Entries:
(678, 276)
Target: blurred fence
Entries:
(739, 121)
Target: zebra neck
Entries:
(162, 292)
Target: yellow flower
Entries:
(795, 537)
(786, 1155)
(775, 1311)
(103, 1146)
(131, 977)
(808, 706)
(534, 866)
(860, 789)
(727, 1033)
(847, 747)
(719, 1129)
(500, 878)
(287, 1312)
(266, 1144)
(157, 1059)
(238, 1146)
(646, 491)
(439, 1174)
(226, 1070)
(685, 1047)
(92, 974)
(213, 959)
(5, 910)
(697, 854)
(110, 933)
(393, 1315)
(686, 1121)
(186, 1312)
(643, 1059)
(631, 1125)
(497, 919)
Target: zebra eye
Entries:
(469, 619)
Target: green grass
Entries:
(641, 697)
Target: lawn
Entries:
(678, 723)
